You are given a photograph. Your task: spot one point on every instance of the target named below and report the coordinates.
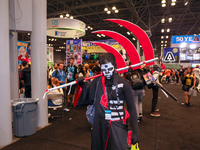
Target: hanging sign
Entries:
(171, 55)
(65, 28)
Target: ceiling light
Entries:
(134, 39)
(162, 30)
(91, 28)
(49, 39)
(186, 2)
(183, 45)
(170, 19)
(120, 25)
(165, 41)
(163, 1)
(165, 44)
(108, 12)
(161, 41)
(128, 33)
(114, 8)
(116, 11)
(162, 37)
(163, 20)
(173, 0)
(167, 37)
(140, 46)
(61, 16)
(106, 9)
(163, 5)
(173, 4)
(71, 17)
(55, 39)
(88, 27)
(193, 46)
(162, 45)
(168, 30)
(67, 15)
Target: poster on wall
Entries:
(74, 49)
(23, 51)
(50, 56)
(171, 55)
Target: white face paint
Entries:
(108, 70)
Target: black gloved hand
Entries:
(80, 80)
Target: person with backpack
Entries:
(135, 78)
(155, 89)
(189, 81)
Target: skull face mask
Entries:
(108, 70)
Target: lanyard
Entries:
(60, 72)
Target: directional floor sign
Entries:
(169, 57)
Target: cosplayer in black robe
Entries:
(110, 125)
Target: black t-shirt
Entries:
(26, 76)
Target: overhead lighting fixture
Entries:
(106, 9)
(140, 46)
(67, 15)
(163, 1)
(134, 39)
(173, 0)
(108, 12)
(186, 2)
(162, 30)
(120, 25)
(88, 27)
(167, 37)
(61, 16)
(128, 33)
(165, 44)
(162, 45)
(163, 5)
(165, 41)
(71, 17)
(161, 41)
(183, 45)
(116, 11)
(91, 28)
(162, 37)
(28, 33)
(170, 19)
(173, 4)
(163, 20)
(114, 8)
(168, 30)
(193, 46)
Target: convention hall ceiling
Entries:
(147, 14)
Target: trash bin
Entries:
(24, 116)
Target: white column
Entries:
(39, 60)
(5, 104)
(14, 75)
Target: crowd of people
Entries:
(136, 80)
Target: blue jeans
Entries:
(138, 97)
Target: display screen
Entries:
(188, 55)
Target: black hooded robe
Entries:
(113, 134)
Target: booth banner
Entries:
(65, 28)
(74, 49)
(50, 54)
(185, 39)
(88, 45)
(171, 55)
(24, 52)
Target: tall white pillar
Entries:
(14, 75)
(5, 104)
(39, 60)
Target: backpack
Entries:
(136, 81)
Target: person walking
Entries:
(26, 79)
(189, 81)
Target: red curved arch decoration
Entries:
(127, 45)
(118, 58)
(140, 34)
